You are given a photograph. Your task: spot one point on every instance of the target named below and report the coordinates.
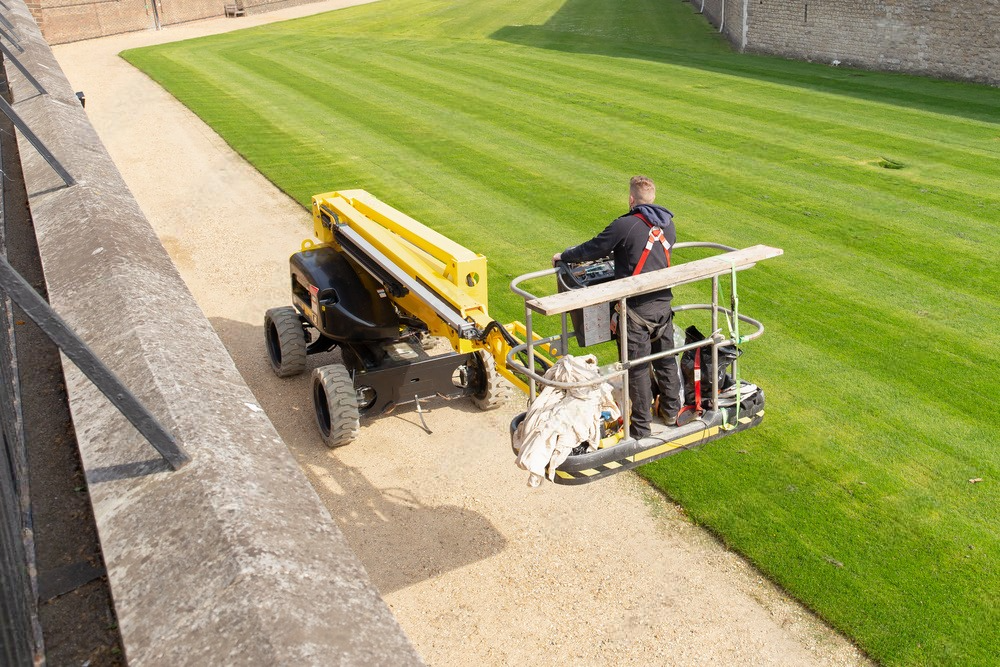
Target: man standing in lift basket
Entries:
(640, 242)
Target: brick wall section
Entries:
(35, 7)
(953, 39)
(65, 21)
(68, 21)
(182, 11)
(262, 6)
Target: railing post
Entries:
(6, 22)
(21, 68)
(21, 293)
(623, 355)
(23, 128)
(10, 38)
(715, 347)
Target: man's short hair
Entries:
(642, 189)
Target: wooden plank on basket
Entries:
(673, 276)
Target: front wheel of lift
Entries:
(492, 391)
(286, 341)
(336, 405)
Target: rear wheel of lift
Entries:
(336, 405)
(286, 341)
(492, 391)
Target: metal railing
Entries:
(15, 287)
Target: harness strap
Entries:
(656, 329)
(697, 380)
(655, 235)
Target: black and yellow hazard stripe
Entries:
(567, 475)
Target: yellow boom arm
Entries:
(434, 279)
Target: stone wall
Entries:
(181, 11)
(261, 6)
(63, 21)
(957, 39)
(71, 20)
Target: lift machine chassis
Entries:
(381, 286)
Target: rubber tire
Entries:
(285, 339)
(335, 403)
(493, 391)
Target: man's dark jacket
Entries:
(626, 239)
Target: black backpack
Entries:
(727, 355)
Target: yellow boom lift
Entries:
(380, 284)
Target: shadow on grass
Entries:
(687, 40)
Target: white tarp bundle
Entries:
(560, 419)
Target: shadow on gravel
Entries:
(400, 539)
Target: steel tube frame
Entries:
(621, 366)
(516, 282)
(623, 355)
(624, 363)
(715, 350)
(531, 355)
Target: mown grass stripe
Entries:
(970, 224)
(903, 121)
(683, 82)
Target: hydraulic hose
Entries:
(512, 341)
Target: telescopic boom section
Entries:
(426, 274)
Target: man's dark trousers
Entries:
(640, 344)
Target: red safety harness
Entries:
(655, 235)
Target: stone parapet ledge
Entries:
(233, 559)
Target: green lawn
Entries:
(513, 126)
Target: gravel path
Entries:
(478, 568)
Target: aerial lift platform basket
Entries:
(587, 305)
